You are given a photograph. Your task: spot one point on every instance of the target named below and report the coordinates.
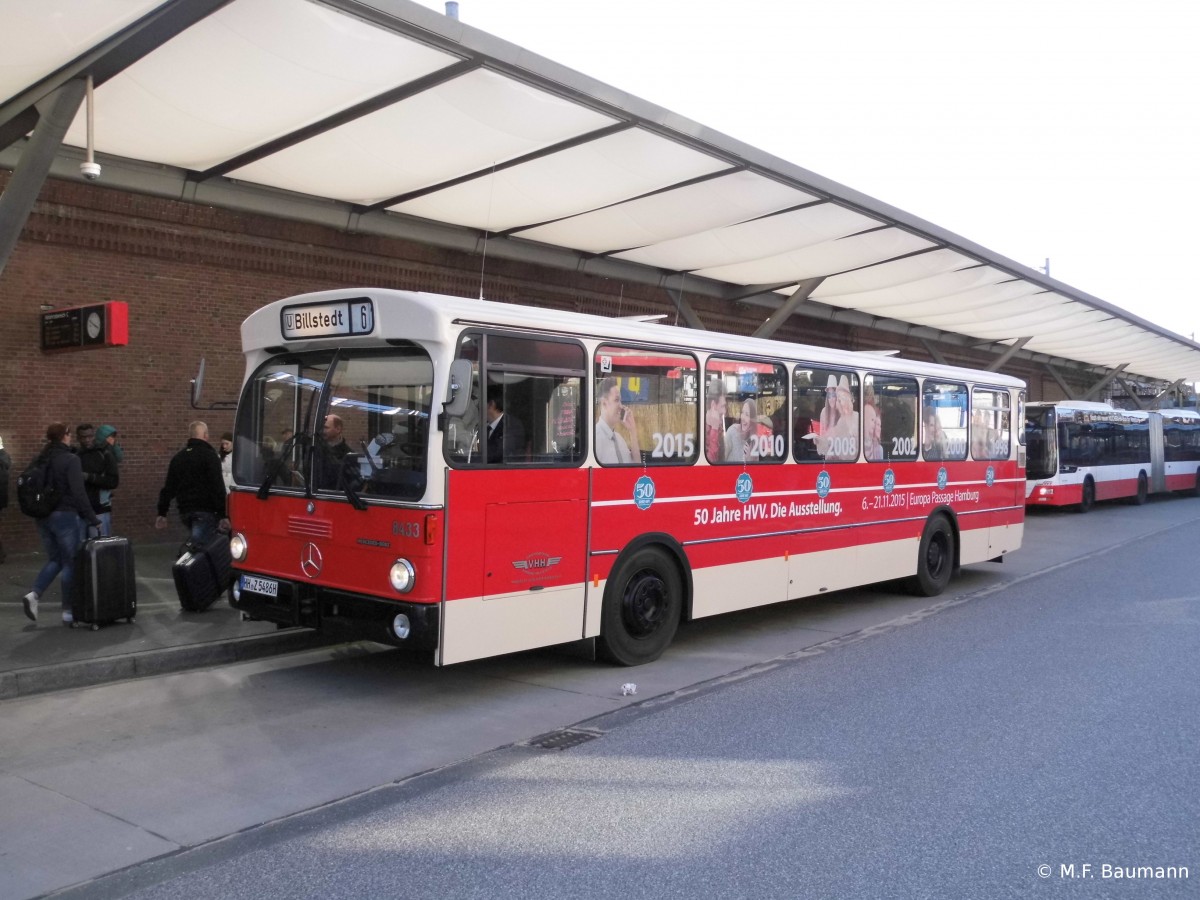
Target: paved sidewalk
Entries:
(45, 656)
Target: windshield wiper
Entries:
(277, 466)
(351, 479)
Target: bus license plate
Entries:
(256, 585)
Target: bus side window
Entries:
(990, 424)
(645, 407)
(826, 418)
(539, 384)
(745, 411)
(890, 418)
(944, 420)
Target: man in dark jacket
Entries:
(195, 483)
(60, 530)
(101, 473)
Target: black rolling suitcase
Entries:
(105, 588)
(203, 572)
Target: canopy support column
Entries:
(1066, 388)
(685, 308)
(1133, 395)
(1009, 353)
(57, 113)
(933, 352)
(1103, 382)
(781, 315)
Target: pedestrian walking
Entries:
(59, 531)
(195, 484)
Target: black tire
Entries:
(1195, 491)
(1143, 490)
(643, 601)
(935, 559)
(1089, 496)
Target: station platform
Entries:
(41, 656)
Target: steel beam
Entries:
(56, 113)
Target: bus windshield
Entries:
(1042, 461)
(352, 423)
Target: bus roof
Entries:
(438, 318)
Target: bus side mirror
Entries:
(458, 391)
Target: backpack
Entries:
(36, 495)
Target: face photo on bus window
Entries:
(645, 407)
(890, 418)
(990, 424)
(944, 421)
(825, 427)
(745, 412)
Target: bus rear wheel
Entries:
(1089, 495)
(935, 559)
(642, 605)
(1143, 490)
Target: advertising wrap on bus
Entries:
(469, 478)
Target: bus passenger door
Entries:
(515, 561)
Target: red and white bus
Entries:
(1081, 452)
(643, 475)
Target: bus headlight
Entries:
(402, 576)
(238, 546)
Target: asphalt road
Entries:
(1038, 718)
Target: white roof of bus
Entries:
(1095, 406)
(430, 317)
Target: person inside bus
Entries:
(331, 451)
(506, 435)
(872, 431)
(741, 440)
(611, 448)
(714, 421)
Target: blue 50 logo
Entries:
(824, 484)
(643, 492)
(744, 487)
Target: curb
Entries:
(163, 661)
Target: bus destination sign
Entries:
(313, 320)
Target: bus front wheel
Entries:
(1089, 495)
(935, 559)
(642, 605)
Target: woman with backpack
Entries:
(60, 529)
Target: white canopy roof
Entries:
(381, 116)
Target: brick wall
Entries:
(190, 274)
